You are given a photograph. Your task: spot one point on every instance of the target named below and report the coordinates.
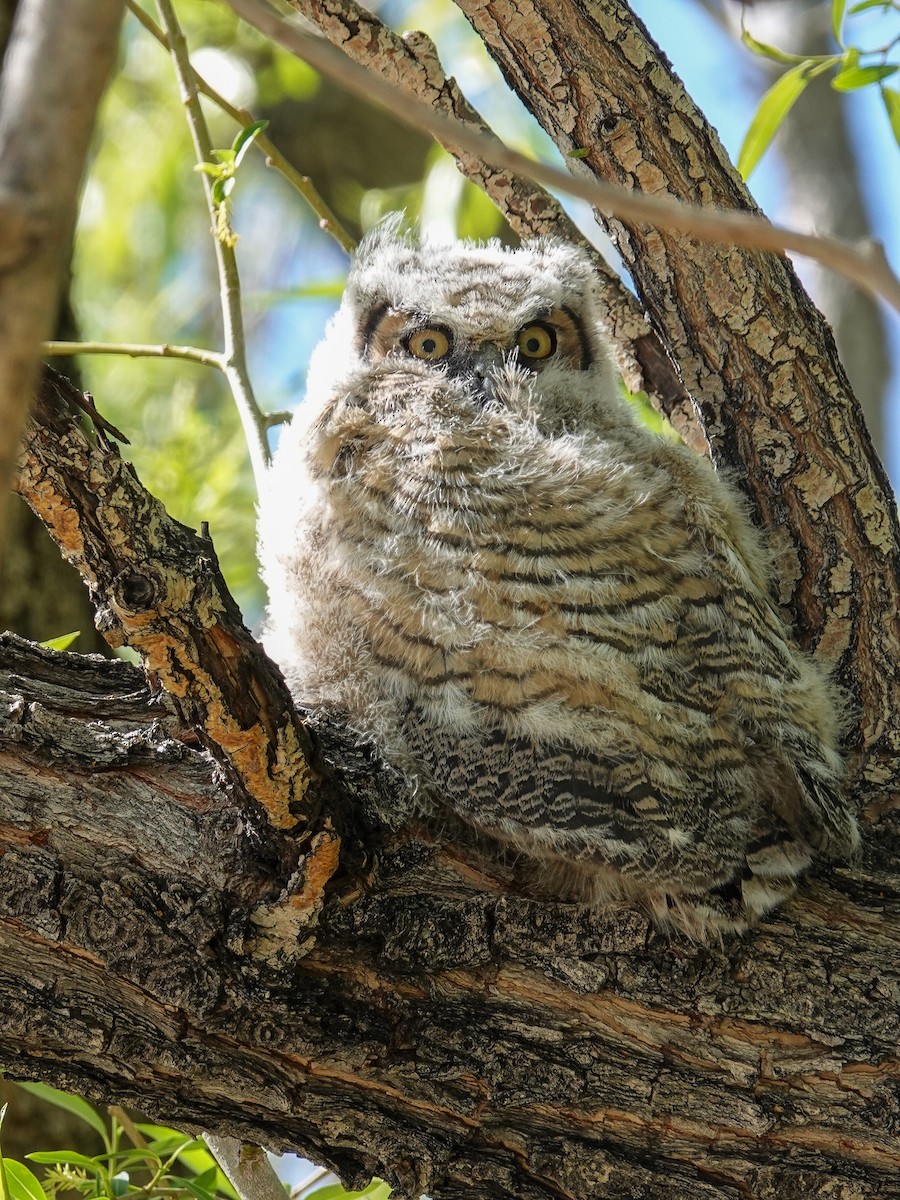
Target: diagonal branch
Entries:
(866, 265)
(157, 588)
(233, 360)
(411, 63)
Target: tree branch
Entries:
(412, 64)
(158, 589)
(327, 220)
(46, 119)
(866, 266)
(207, 358)
(451, 1037)
(233, 358)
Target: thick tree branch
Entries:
(441, 1032)
(157, 588)
(46, 119)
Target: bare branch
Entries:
(234, 355)
(208, 358)
(412, 64)
(247, 1167)
(54, 73)
(866, 265)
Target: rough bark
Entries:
(440, 1031)
(754, 354)
(823, 190)
(437, 1027)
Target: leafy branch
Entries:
(159, 1164)
(854, 67)
(328, 222)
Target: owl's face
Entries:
(476, 328)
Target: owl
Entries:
(554, 622)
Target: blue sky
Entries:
(704, 55)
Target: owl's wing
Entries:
(705, 862)
(788, 705)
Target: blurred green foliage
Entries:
(144, 266)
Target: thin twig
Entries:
(209, 358)
(866, 265)
(234, 357)
(120, 1115)
(274, 158)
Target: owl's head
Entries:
(491, 325)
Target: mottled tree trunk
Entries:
(234, 924)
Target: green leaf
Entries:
(137, 1157)
(837, 18)
(192, 1186)
(208, 168)
(891, 100)
(246, 138)
(856, 77)
(22, 1183)
(767, 51)
(63, 642)
(69, 1158)
(377, 1190)
(4, 1181)
(206, 1180)
(73, 1104)
(865, 4)
(581, 152)
(773, 108)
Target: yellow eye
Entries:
(429, 343)
(536, 341)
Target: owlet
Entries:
(548, 617)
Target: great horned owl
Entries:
(552, 620)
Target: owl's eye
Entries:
(536, 341)
(429, 343)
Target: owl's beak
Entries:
(479, 368)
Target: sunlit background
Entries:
(144, 266)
